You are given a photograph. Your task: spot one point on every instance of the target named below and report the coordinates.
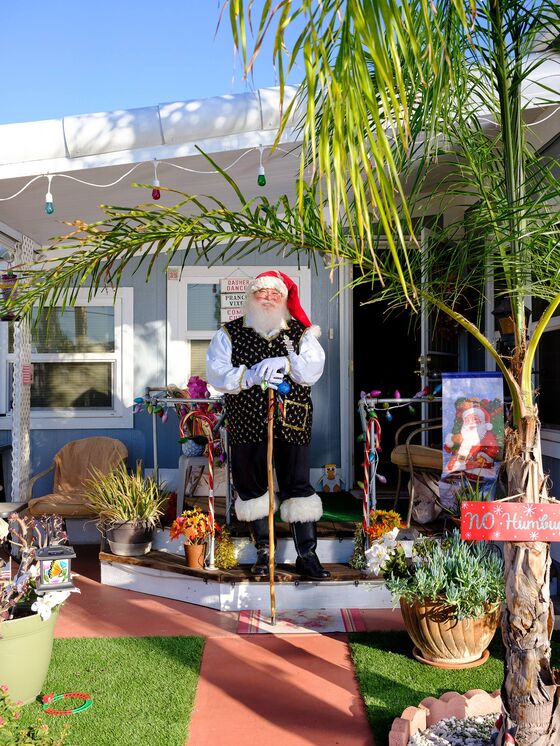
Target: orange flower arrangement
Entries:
(193, 525)
(382, 521)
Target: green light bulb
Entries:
(261, 178)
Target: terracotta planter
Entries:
(25, 653)
(444, 640)
(194, 555)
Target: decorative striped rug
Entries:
(298, 622)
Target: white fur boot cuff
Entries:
(252, 510)
(302, 509)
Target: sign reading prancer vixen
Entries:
(507, 521)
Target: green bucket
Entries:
(25, 653)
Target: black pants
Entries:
(249, 470)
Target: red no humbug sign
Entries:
(507, 521)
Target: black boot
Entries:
(305, 541)
(259, 534)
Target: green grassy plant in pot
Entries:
(28, 617)
(450, 596)
(129, 505)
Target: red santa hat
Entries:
(481, 414)
(276, 280)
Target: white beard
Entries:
(471, 437)
(265, 321)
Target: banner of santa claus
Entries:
(473, 432)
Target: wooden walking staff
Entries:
(270, 422)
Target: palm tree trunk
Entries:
(530, 691)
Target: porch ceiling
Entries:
(72, 200)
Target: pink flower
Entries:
(2, 722)
(4, 687)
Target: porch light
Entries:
(504, 316)
(54, 568)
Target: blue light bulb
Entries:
(49, 203)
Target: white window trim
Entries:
(120, 416)
(178, 339)
(550, 439)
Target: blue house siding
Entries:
(150, 364)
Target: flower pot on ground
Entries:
(129, 505)
(25, 654)
(28, 616)
(195, 528)
(450, 595)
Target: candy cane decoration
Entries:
(365, 500)
(369, 456)
(206, 424)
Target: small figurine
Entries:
(330, 482)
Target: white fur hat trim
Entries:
(274, 283)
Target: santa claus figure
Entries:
(475, 447)
(274, 340)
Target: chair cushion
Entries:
(66, 504)
(422, 457)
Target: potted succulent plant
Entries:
(27, 616)
(450, 596)
(129, 506)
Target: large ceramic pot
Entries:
(25, 653)
(443, 640)
(129, 539)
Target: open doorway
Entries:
(386, 352)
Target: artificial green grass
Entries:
(391, 679)
(143, 689)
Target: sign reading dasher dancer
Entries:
(506, 521)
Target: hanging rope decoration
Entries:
(51, 698)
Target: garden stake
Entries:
(270, 422)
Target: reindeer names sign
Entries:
(508, 521)
(232, 297)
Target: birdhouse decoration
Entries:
(54, 568)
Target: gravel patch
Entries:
(473, 731)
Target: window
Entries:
(82, 364)
(196, 308)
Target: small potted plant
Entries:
(450, 596)
(27, 616)
(380, 537)
(470, 490)
(129, 506)
(194, 527)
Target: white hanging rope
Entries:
(50, 177)
(21, 392)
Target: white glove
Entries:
(270, 366)
(250, 378)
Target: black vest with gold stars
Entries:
(246, 411)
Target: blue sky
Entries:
(64, 57)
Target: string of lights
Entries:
(49, 205)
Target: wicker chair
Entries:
(412, 457)
(72, 466)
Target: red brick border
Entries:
(431, 710)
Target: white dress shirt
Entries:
(304, 368)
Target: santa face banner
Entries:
(473, 435)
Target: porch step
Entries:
(165, 574)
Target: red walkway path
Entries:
(270, 690)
